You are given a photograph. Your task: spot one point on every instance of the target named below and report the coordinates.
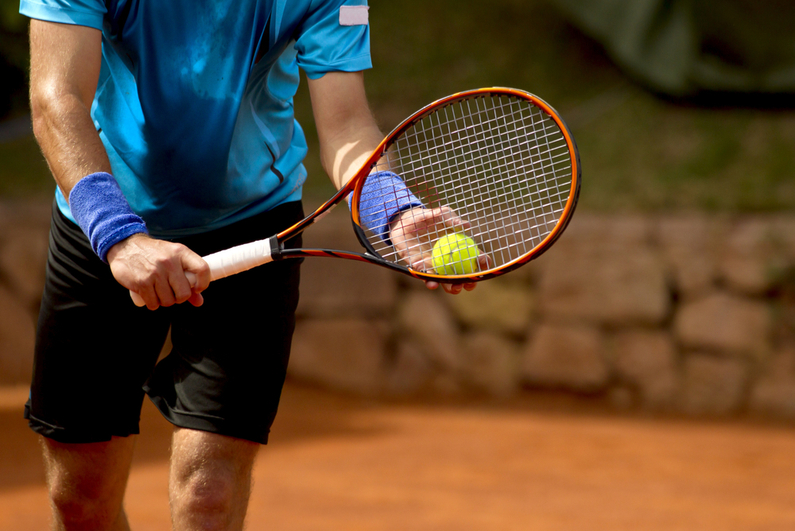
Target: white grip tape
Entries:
(238, 259)
(228, 262)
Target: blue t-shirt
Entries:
(195, 98)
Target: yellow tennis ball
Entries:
(455, 254)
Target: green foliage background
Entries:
(13, 58)
(640, 152)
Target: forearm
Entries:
(347, 131)
(68, 139)
(344, 156)
(64, 70)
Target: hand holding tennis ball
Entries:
(455, 254)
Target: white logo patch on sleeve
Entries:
(354, 15)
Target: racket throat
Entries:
(276, 248)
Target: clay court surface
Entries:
(337, 463)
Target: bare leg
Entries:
(87, 482)
(210, 480)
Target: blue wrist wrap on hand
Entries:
(383, 197)
(99, 207)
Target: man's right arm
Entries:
(65, 62)
(64, 70)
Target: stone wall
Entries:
(690, 314)
(23, 252)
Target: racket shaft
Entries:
(229, 262)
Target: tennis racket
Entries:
(497, 165)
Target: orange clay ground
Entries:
(337, 463)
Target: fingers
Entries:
(197, 271)
(449, 218)
(418, 220)
(484, 262)
(453, 289)
(184, 281)
(196, 299)
(165, 288)
(432, 285)
(423, 263)
(415, 231)
(158, 272)
(424, 219)
(171, 288)
(409, 228)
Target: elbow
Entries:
(48, 105)
(38, 113)
(42, 105)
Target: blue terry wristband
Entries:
(99, 207)
(384, 196)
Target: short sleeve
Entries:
(326, 42)
(80, 12)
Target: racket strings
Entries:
(499, 163)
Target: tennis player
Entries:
(169, 129)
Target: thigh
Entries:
(229, 358)
(94, 348)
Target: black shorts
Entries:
(96, 352)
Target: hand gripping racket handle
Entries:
(230, 262)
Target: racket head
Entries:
(502, 160)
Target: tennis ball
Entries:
(455, 254)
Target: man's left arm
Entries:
(346, 128)
(348, 132)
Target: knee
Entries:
(207, 500)
(73, 511)
(206, 491)
(78, 505)
(86, 482)
(210, 480)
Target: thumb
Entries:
(197, 271)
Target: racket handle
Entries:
(230, 262)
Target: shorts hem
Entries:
(62, 435)
(203, 422)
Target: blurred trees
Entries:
(13, 59)
(687, 47)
